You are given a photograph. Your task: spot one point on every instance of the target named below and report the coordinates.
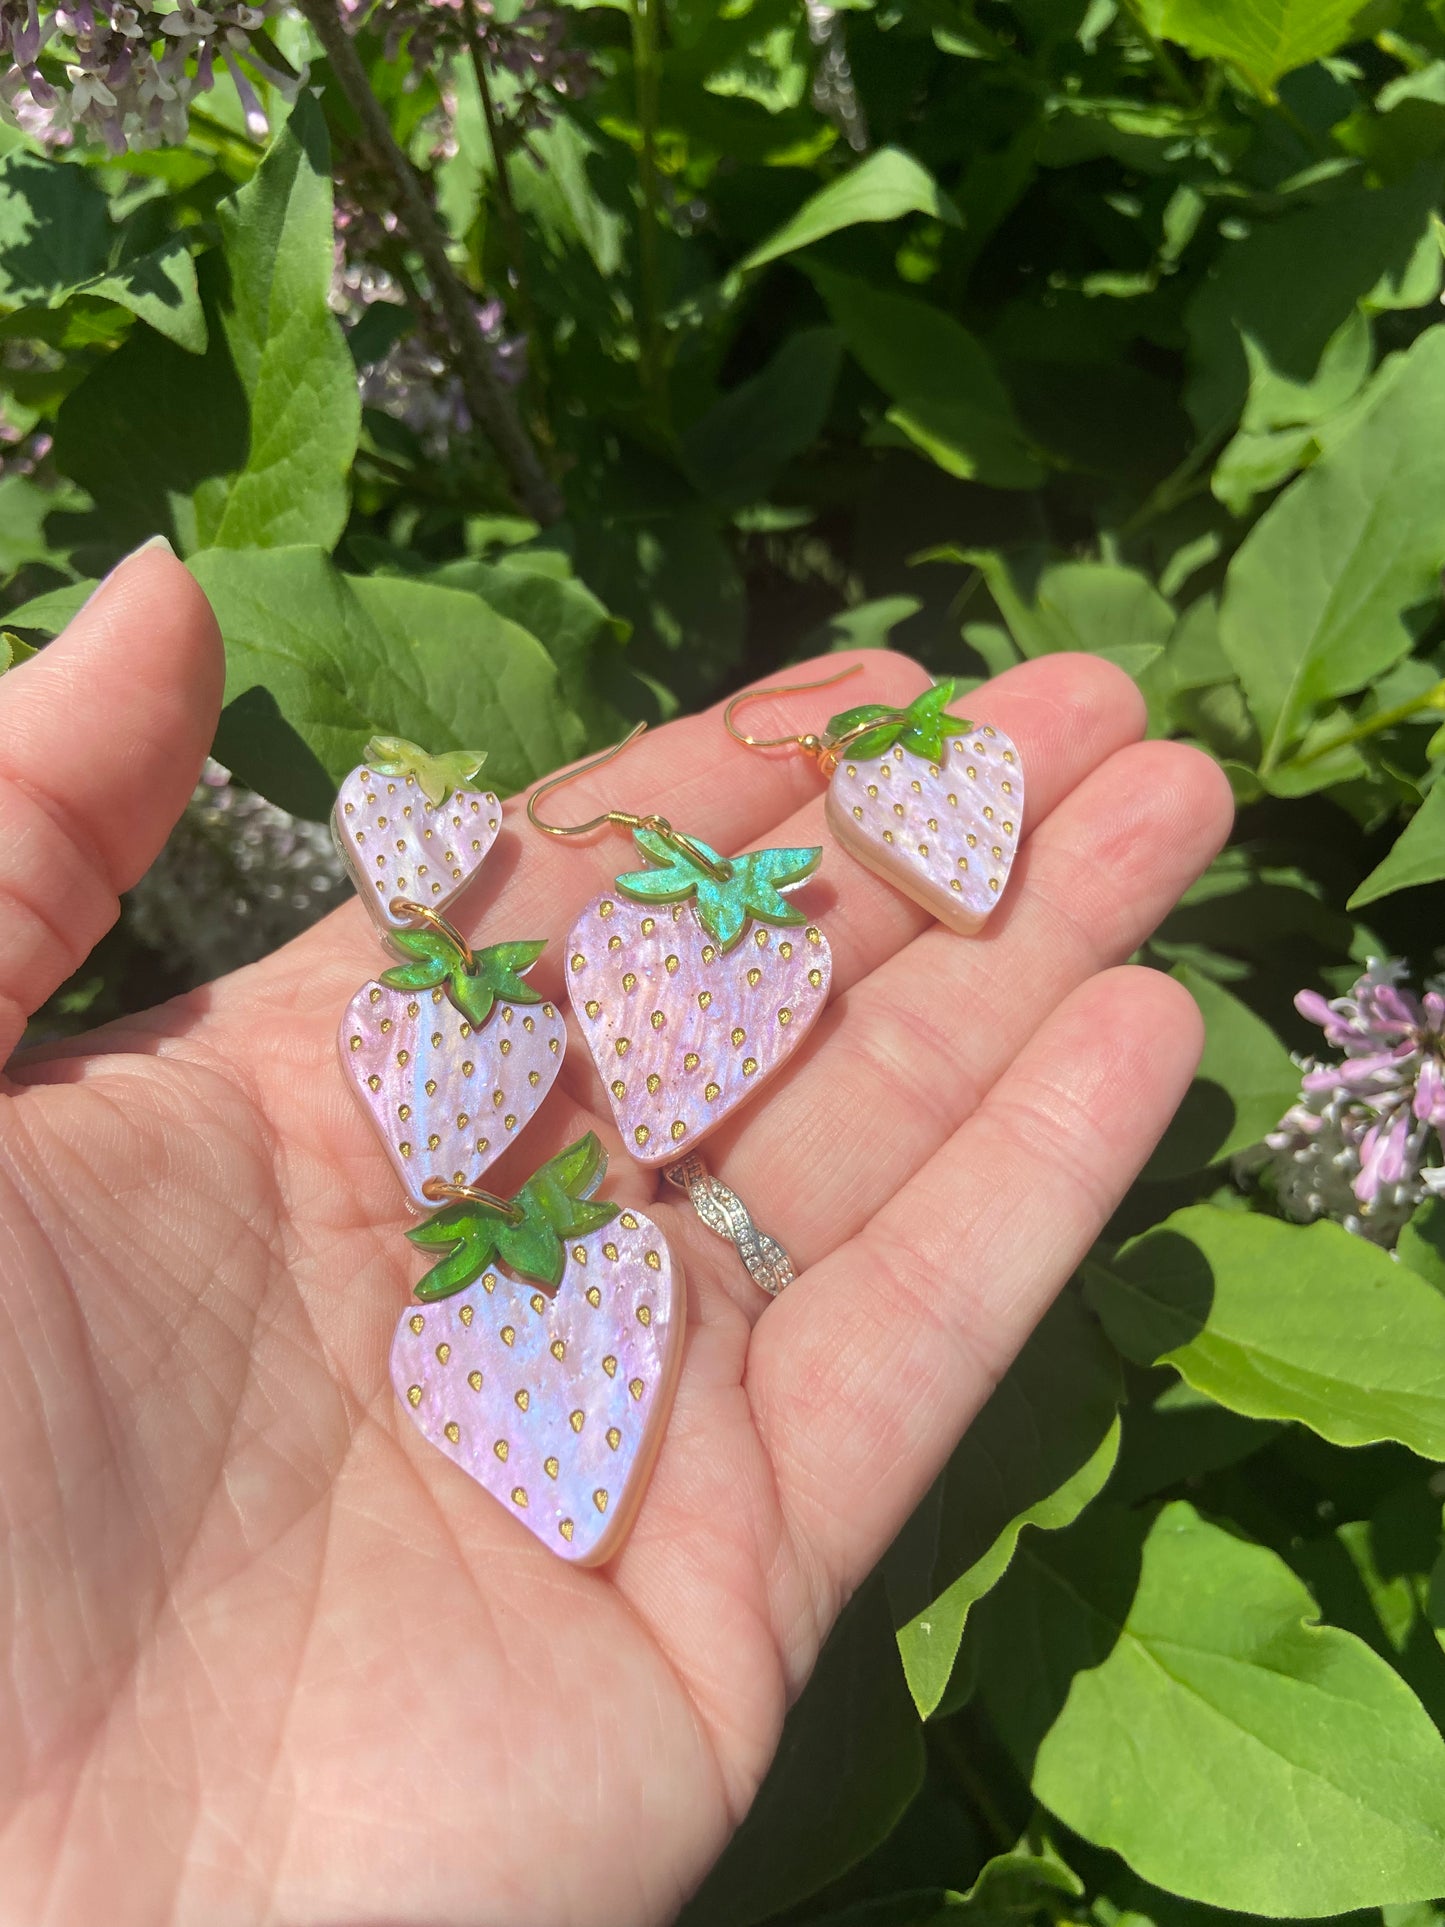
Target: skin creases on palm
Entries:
(274, 1659)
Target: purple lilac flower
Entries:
(127, 74)
(1363, 1145)
(533, 47)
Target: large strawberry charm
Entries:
(693, 984)
(930, 802)
(410, 828)
(543, 1356)
(451, 1054)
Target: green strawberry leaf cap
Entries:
(474, 981)
(920, 728)
(437, 776)
(527, 1234)
(726, 892)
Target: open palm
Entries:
(271, 1656)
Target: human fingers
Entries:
(101, 739)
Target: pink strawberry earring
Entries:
(694, 979)
(544, 1350)
(930, 802)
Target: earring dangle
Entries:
(930, 802)
(544, 1349)
(694, 979)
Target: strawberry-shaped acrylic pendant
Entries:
(544, 1351)
(451, 1053)
(410, 827)
(930, 802)
(693, 982)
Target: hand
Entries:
(274, 1658)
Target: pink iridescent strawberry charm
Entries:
(410, 826)
(694, 980)
(928, 801)
(544, 1351)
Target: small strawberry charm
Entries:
(451, 1054)
(930, 802)
(544, 1352)
(693, 984)
(410, 828)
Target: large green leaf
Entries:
(1283, 363)
(1037, 1453)
(1265, 39)
(1418, 855)
(1320, 595)
(946, 393)
(318, 662)
(889, 183)
(1245, 1083)
(1283, 1321)
(850, 1760)
(735, 451)
(1101, 607)
(288, 348)
(1168, 1694)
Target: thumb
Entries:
(102, 736)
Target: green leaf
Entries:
(1245, 1083)
(337, 656)
(1322, 593)
(1287, 364)
(749, 888)
(850, 1761)
(948, 399)
(13, 651)
(54, 228)
(1421, 1245)
(888, 184)
(1282, 1321)
(1172, 1700)
(1101, 607)
(1265, 39)
(425, 975)
(1417, 856)
(288, 348)
(1037, 1453)
(533, 1248)
(159, 286)
(735, 451)
(495, 974)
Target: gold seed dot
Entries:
(452, 1430)
(629, 980)
(373, 1082)
(609, 1251)
(405, 1148)
(641, 1134)
(444, 1352)
(649, 924)
(609, 1365)
(888, 836)
(519, 1497)
(403, 1057)
(579, 1253)
(691, 1061)
(529, 1023)
(599, 1499)
(622, 1046)
(815, 978)
(738, 1034)
(501, 1448)
(433, 1142)
(619, 1089)
(577, 1421)
(579, 961)
(785, 1016)
(953, 801)
(711, 1092)
(385, 1024)
(594, 1297)
(814, 935)
(509, 1336)
(614, 1437)
(522, 1400)
(539, 1303)
(923, 849)
(605, 908)
(679, 1130)
(670, 964)
(898, 809)
(785, 950)
(755, 977)
(509, 1122)
(971, 773)
(750, 1064)
(954, 884)
(413, 1395)
(356, 1043)
(635, 1386)
(564, 1526)
(474, 1379)
(704, 999)
(558, 1349)
(403, 1111)
(483, 1145)
(1008, 829)
(614, 943)
(416, 1322)
(993, 885)
(551, 1467)
(858, 811)
(872, 789)
(628, 1221)
(654, 1083)
(760, 938)
(592, 1007)
(708, 953)
(917, 787)
(489, 1281)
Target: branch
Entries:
(489, 403)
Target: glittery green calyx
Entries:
(921, 728)
(748, 887)
(528, 1234)
(437, 776)
(474, 985)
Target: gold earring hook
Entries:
(624, 819)
(811, 744)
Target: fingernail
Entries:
(152, 542)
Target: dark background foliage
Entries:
(981, 331)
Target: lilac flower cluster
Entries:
(127, 73)
(532, 46)
(1363, 1145)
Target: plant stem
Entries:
(511, 220)
(645, 82)
(1431, 698)
(1168, 66)
(489, 403)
